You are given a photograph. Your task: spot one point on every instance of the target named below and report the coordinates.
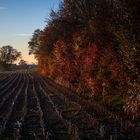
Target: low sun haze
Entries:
(20, 18)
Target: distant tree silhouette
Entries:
(8, 55)
(22, 62)
(34, 42)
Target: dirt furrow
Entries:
(32, 108)
(13, 126)
(8, 84)
(105, 126)
(32, 128)
(73, 114)
(7, 107)
(53, 121)
(5, 94)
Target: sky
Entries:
(19, 19)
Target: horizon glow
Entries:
(19, 19)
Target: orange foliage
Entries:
(59, 43)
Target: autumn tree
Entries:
(94, 46)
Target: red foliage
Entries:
(92, 51)
(91, 54)
(59, 43)
(87, 61)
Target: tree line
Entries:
(9, 55)
(93, 47)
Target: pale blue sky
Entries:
(19, 19)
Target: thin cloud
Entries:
(3, 8)
(23, 35)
